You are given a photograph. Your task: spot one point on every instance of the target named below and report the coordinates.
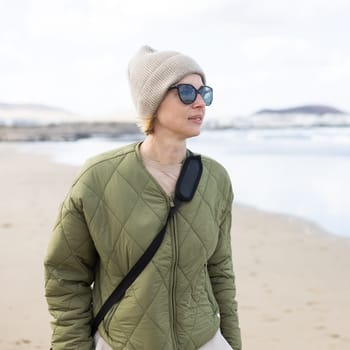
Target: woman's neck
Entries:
(163, 150)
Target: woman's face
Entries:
(177, 119)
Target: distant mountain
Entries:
(31, 106)
(306, 116)
(16, 114)
(307, 109)
(27, 114)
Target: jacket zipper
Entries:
(173, 281)
(174, 244)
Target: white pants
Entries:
(218, 342)
(100, 344)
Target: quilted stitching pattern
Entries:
(111, 214)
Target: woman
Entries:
(185, 298)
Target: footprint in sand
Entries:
(23, 341)
(268, 318)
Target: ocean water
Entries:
(303, 172)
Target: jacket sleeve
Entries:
(69, 273)
(223, 281)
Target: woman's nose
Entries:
(199, 102)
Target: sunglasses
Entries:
(188, 93)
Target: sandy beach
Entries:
(293, 279)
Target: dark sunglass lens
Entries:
(187, 93)
(207, 94)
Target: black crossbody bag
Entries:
(185, 189)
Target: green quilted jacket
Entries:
(110, 215)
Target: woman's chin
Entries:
(193, 133)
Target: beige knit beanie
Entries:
(152, 72)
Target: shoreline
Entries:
(291, 275)
(312, 225)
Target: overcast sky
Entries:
(73, 54)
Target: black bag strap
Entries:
(185, 189)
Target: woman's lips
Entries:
(196, 118)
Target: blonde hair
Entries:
(146, 124)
